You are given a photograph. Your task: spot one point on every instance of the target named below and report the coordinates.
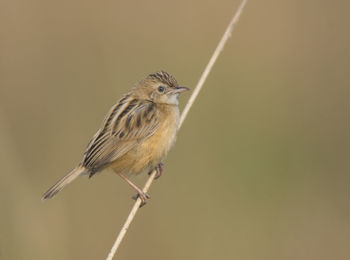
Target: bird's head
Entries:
(159, 87)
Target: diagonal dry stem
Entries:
(193, 97)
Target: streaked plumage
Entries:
(136, 134)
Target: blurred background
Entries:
(261, 166)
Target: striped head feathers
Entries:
(159, 87)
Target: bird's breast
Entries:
(159, 144)
(150, 152)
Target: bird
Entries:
(135, 136)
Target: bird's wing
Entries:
(127, 124)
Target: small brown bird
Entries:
(136, 134)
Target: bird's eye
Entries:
(161, 89)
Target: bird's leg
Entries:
(143, 196)
(159, 168)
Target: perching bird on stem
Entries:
(136, 134)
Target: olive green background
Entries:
(261, 166)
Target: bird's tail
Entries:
(79, 170)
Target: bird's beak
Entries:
(181, 89)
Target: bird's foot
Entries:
(159, 168)
(143, 196)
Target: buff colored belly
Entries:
(151, 151)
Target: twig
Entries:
(194, 95)
(212, 61)
(130, 218)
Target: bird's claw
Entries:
(143, 196)
(159, 170)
